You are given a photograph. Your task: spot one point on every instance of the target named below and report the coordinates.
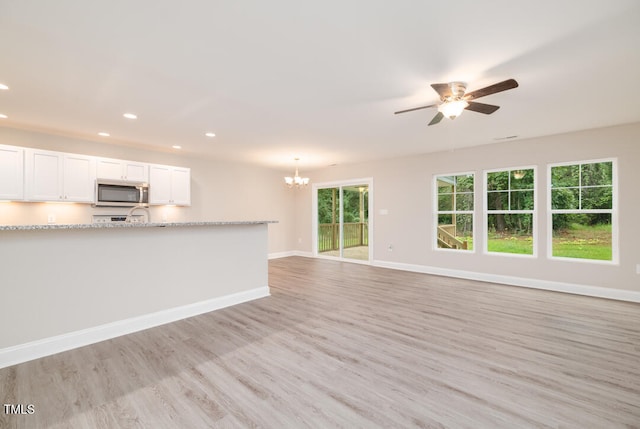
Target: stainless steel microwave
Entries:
(121, 193)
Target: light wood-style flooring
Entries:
(353, 346)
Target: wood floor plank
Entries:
(349, 345)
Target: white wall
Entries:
(403, 186)
(220, 190)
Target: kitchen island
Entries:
(64, 286)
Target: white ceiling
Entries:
(319, 80)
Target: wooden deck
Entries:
(359, 252)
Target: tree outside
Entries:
(510, 207)
(581, 206)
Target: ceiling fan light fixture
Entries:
(452, 109)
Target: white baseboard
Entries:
(60, 343)
(594, 291)
(576, 289)
(278, 255)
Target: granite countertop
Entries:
(128, 225)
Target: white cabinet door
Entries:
(78, 178)
(43, 178)
(136, 171)
(169, 185)
(109, 169)
(159, 184)
(56, 176)
(117, 169)
(181, 186)
(11, 173)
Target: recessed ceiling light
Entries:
(2, 116)
(175, 146)
(103, 134)
(130, 116)
(3, 86)
(210, 134)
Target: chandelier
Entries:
(519, 174)
(296, 181)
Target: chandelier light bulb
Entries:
(519, 174)
(296, 181)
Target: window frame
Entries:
(615, 249)
(436, 213)
(534, 212)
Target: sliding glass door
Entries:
(342, 221)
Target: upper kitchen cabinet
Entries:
(117, 169)
(169, 185)
(55, 176)
(11, 173)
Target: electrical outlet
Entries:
(390, 248)
(638, 269)
(51, 218)
(299, 240)
(165, 216)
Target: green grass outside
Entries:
(583, 242)
(519, 244)
(577, 241)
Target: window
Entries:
(454, 229)
(510, 211)
(582, 210)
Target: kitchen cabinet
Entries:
(169, 185)
(56, 176)
(11, 173)
(117, 169)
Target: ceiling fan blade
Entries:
(436, 118)
(487, 109)
(415, 108)
(443, 89)
(491, 89)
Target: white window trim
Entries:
(534, 212)
(436, 212)
(615, 248)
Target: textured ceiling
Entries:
(317, 80)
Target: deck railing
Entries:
(355, 234)
(447, 238)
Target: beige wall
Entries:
(404, 187)
(220, 190)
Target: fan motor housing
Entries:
(457, 89)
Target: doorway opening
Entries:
(342, 225)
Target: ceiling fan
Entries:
(454, 99)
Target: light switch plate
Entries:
(51, 218)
